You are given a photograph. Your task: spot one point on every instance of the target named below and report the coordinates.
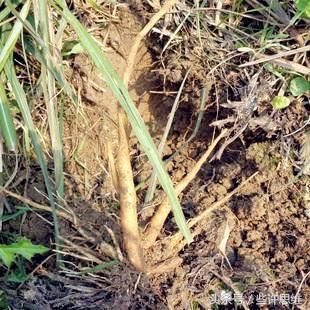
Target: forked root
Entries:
(128, 213)
(159, 218)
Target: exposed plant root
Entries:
(128, 208)
(115, 242)
(164, 209)
(175, 244)
(112, 165)
(140, 36)
(105, 248)
(128, 213)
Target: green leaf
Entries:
(13, 36)
(72, 47)
(10, 217)
(18, 275)
(3, 301)
(7, 257)
(277, 72)
(280, 102)
(23, 247)
(6, 11)
(299, 85)
(6, 122)
(303, 6)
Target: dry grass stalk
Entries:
(164, 209)
(291, 65)
(128, 214)
(87, 253)
(305, 154)
(35, 205)
(265, 58)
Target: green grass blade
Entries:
(49, 91)
(13, 216)
(6, 121)
(13, 36)
(21, 99)
(122, 95)
(7, 10)
(153, 181)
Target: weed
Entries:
(299, 86)
(280, 102)
(23, 247)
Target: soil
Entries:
(265, 224)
